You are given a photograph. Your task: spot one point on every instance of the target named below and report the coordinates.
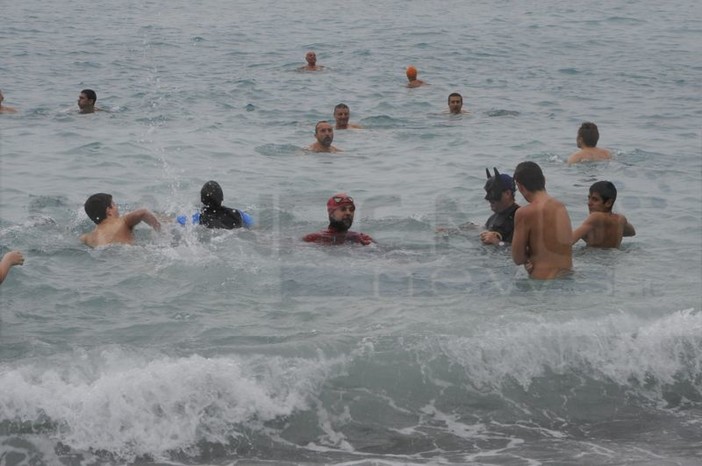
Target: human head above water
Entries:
(497, 184)
(411, 73)
(588, 134)
(605, 189)
(339, 200)
(211, 194)
(311, 58)
(96, 206)
(529, 175)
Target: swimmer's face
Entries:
(84, 103)
(112, 210)
(596, 204)
(498, 205)
(344, 214)
(455, 104)
(341, 115)
(311, 58)
(324, 133)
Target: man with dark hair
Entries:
(499, 190)
(86, 101)
(342, 115)
(588, 135)
(542, 230)
(111, 228)
(324, 132)
(455, 103)
(214, 215)
(602, 228)
(341, 210)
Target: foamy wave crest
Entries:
(130, 406)
(624, 349)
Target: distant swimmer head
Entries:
(411, 72)
(211, 194)
(496, 184)
(339, 200)
(96, 206)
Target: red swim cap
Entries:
(411, 72)
(338, 200)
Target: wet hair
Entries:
(529, 175)
(211, 194)
(605, 189)
(90, 94)
(455, 94)
(316, 127)
(344, 106)
(96, 206)
(589, 134)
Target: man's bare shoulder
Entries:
(591, 154)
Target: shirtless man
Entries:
(311, 59)
(588, 135)
(602, 228)
(542, 239)
(324, 132)
(5, 108)
(342, 115)
(111, 228)
(86, 101)
(455, 104)
(9, 260)
(412, 78)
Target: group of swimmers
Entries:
(540, 232)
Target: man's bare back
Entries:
(603, 230)
(589, 154)
(542, 237)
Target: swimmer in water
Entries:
(587, 138)
(542, 239)
(324, 132)
(5, 108)
(411, 73)
(311, 65)
(8, 261)
(341, 210)
(455, 104)
(213, 214)
(602, 228)
(111, 227)
(86, 101)
(499, 228)
(342, 115)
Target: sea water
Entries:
(252, 347)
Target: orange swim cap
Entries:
(411, 72)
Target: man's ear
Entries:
(609, 203)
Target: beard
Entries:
(341, 225)
(326, 142)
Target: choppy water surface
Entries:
(201, 347)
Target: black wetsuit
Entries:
(220, 217)
(503, 223)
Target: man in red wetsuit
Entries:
(341, 210)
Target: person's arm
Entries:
(574, 158)
(582, 231)
(142, 215)
(364, 239)
(628, 228)
(8, 260)
(520, 239)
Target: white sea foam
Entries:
(129, 405)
